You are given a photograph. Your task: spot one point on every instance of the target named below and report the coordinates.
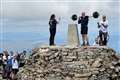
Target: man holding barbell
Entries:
(83, 20)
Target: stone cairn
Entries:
(71, 63)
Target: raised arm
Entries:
(79, 20)
(98, 24)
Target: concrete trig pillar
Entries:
(73, 35)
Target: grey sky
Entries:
(41, 9)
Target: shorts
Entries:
(84, 30)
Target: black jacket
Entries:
(83, 21)
(52, 23)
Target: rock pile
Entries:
(71, 63)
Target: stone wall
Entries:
(71, 63)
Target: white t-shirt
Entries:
(102, 26)
(14, 64)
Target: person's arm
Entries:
(58, 20)
(79, 21)
(87, 19)
(49, 23)
(105, 25)
(98, 24)
(55, 21)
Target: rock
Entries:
(71, 63)
(68, 78)
(97, 63)
(95, 72)
(83, 75)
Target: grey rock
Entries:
(71, 63)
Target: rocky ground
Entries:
(71, 63)
(0, 72)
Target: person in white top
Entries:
(14, 64)
(103, 32)
(15, 67)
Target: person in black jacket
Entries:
(52, 23)
(83, 20)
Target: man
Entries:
(83, 20)
(103, 33)
(5, 58)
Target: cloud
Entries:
(33, 9)
(39, 9)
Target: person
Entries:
(52, 23)
(83, 20)
(15, 67)
(5, 58)
(96, 43)
(1, 58)
(9, 66)
(103, 32)
(22, 58)
(11, 54)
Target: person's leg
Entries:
(105, 39)
(3, 71)
(83, 39)
(83, 35)
(51, 37)
(86, 36)
(8, 72)
(87, 39)
(54, 33)
(101, 40)
(13, 74)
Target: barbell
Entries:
(94, 15)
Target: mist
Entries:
(42, 9)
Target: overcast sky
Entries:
(41, 9)
(29, 15)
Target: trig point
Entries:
(73, 36)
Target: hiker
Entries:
(103, 32)
(11, 54)
(4, 59)
(1, 62)
(83, 20)
(15, 67)
(52, 23)
(9, 66)
(22, 58)
(1, 58)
